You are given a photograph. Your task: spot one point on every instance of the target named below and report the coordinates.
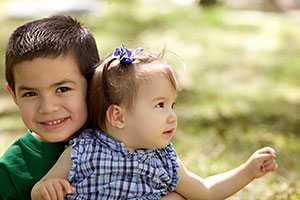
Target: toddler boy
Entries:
(49, 63)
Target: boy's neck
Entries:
(35, 135)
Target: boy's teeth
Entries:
(54, 122)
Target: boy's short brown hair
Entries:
(51, 37)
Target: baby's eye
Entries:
(160, 105)
(173, 105)
(29, 94)
(63, 89)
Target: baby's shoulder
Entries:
(167, 152)
(167, 157)
(85, 136)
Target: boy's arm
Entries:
(54, 184)
(7, 189)
(62, 167)
(226, 184)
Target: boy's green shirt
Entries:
(24, 163)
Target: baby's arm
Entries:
(54, 184)
(173, 196)
(226, 184)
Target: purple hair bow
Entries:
(126, 56)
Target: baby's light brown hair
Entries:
(116, 83)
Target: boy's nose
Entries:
(47, 105)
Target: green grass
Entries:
(240, 83)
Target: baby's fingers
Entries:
(269, 150)
(264, 158)
(268, 162)
(270, 166)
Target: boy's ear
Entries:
(12, 93)
(115, 116)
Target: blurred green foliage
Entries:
(240, 73)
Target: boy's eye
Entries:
(63, 89)
(29, 94)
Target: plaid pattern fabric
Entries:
(103, 169)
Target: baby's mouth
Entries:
(170, 131)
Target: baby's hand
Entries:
(261, 162)
(50, 189)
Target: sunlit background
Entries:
(239, 65)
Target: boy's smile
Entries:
(54, 124)
(51, 95)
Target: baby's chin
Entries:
(161, 146)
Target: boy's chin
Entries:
(36, 136)
(51, 140)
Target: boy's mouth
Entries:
(54, 123)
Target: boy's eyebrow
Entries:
(64, 82)
(20, 88)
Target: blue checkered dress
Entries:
(104, 169)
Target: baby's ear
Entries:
(115, 116)
(12, 93)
